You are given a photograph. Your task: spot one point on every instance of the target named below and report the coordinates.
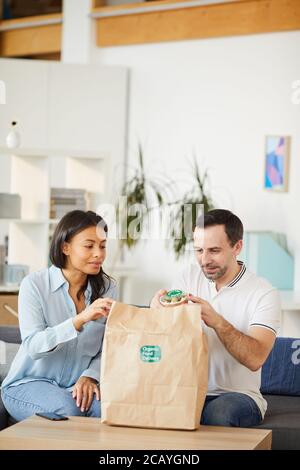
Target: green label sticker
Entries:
(150, 353)
(174, 293)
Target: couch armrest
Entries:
(10, 334)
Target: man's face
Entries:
(214, 252)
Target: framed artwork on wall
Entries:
(277, 156)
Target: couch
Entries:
(11, 336)
(280, 387)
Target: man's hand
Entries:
(210, 317)
(84, 391)
(250, 349)
(155, 303)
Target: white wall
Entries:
(219, 97)
(75, 45)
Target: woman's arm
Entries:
(93, 370)
(39, 339)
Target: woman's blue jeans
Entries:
(231, 409)
(24, 400)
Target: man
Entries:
(241, 315)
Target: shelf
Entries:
(9, 289)
(31, 221)
(31, 176)
(30, 36)
(165, 20)
(45, 153)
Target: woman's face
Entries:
(86, 251)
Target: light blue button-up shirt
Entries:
(52, 349)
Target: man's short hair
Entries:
(232, 224)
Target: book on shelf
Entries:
(67, 192)
(63, 200)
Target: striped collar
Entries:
(239, 275)
(237, 278)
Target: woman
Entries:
(62, 315)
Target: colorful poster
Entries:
(277, 163)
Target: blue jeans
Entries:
(40, 396)
(230, 409)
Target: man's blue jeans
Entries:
(22, 401)
(40, 396)
(231, 409)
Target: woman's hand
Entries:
(99, 308)
(84, 391)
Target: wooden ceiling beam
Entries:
(31, 36)
(237, 17)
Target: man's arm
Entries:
(251, 349)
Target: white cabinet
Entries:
(32, 174)
(87, 108)
(66, 106)
(72, 120)
(26, 84)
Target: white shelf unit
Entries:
(32, 174)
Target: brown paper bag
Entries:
(154, 367)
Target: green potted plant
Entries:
(160, 192)
(140, 189)
(188, 206)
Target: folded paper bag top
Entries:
(154, 367)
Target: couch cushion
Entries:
(7, 354)
(10, 334)
(281, 371)
(283, 417)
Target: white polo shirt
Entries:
(247, 301)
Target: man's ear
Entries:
(65, 248)
(238, 247)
